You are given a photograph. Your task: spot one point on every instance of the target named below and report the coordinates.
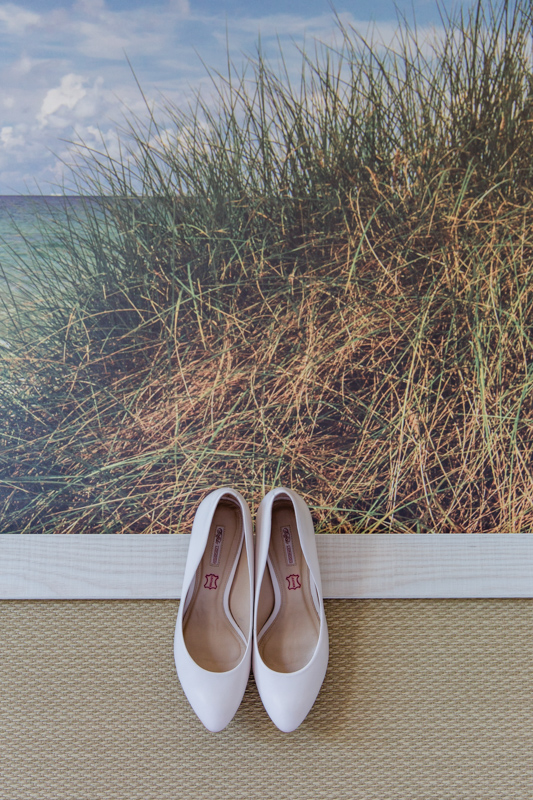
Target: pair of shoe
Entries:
(235, 615)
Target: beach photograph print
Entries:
(252, 246)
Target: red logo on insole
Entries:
(294, 582)
(210, 581)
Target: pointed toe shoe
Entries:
(291, 645)
(213, 636)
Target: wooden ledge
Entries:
(130, 566)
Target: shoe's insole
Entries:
(290, 635)
(214, 631)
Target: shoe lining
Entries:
(288, 638)
(215, 622)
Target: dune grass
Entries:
(325, 285)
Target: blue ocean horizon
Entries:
(24, 220)
(31, 231)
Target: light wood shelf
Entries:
(132, 566)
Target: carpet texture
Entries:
(423, 700)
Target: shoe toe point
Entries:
(214, 723)
(289, 717)
(212, 716)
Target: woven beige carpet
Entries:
(423, 700)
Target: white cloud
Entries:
(91, 7)
(113, 34)
(68, 94)
(52, 82)
(17, 19)
(89, 105)
(24, 65)
(100, 140)
(8, 140)
(323, 29)
(181, 6)
(282, 24)
(100, 40)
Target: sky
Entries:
(70, 70)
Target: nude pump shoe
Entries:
(213, 636)
(291, 647)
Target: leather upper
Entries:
(289, 696)
(214, 696)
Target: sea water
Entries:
(27, 223)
